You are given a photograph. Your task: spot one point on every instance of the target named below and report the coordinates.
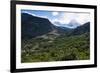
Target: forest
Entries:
(61, 48)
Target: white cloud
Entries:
(79, 17)
(55, 13)
(65, 18)
(83, 18)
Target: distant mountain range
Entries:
(72, 24)
(33, 26)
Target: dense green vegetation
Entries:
(61, 48)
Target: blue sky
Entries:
(60, 16)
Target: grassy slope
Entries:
(60, 49)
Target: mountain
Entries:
(33, 26)
(62, 30)
(85, 28)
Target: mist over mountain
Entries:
(71, 25)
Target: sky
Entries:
(62, 17)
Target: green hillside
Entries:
(61, 48)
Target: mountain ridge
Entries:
(33, 26)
